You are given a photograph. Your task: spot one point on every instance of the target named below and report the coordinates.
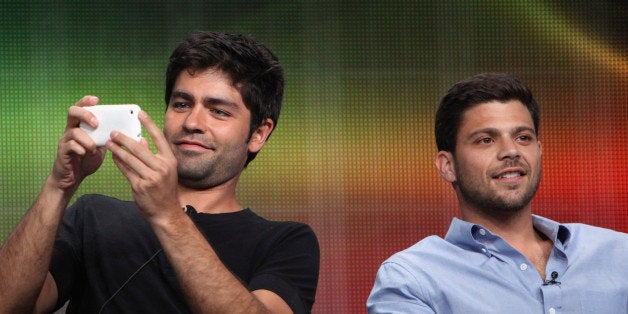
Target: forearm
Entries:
(25, 255)
(208, 285)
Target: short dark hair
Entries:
(253, 69)
(476, 90)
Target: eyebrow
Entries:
(494, 131)
(206, 100)
(523, 129)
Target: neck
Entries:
(516, 226)
(518, 231)
(215, 200)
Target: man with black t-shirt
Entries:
(184, 244)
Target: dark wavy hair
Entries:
(476, 90)
(253, 69)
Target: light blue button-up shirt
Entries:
(475, 271)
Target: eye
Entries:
(485, 140)
(525, 138)
(220, 112)
(179, 105)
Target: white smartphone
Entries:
(122, 118)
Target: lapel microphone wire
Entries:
(129, 280)
(189, 210)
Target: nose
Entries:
(195, 121)
(508, 149)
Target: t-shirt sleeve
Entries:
(66, 255)
(291, 270)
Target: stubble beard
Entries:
(196, 175)
(201, 173)
(491, 204)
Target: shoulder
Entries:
(98, 201)
(426, 250)
(404, 280)
(291, 228)
(279, 230)
(428, 260)
(593, 234)
(100, 208)
(414, 264)
(585, 229)
(291, 244)
(288, 256)
(255, 234)
(290, 235)
(593, 238)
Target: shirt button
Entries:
(523, 266)
(482, 232)
(552, 310)
(484, 250)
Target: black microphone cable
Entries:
(189, 210)
(129, 280)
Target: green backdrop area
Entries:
(354, 149)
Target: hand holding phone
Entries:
(122, 118)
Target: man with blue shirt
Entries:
(499, 257)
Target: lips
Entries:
(510, 173)
(190, 143)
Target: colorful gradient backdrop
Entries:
(354, 149)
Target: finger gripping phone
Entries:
(122, 118)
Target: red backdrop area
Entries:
(585, 179)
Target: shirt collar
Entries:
(556, 232)
(461, 232)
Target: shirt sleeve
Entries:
(394, 292)
(66, 256)
(291, 269)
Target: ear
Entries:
(260, 135)
(540, 148)
(445, 166)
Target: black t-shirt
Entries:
(106, 252)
